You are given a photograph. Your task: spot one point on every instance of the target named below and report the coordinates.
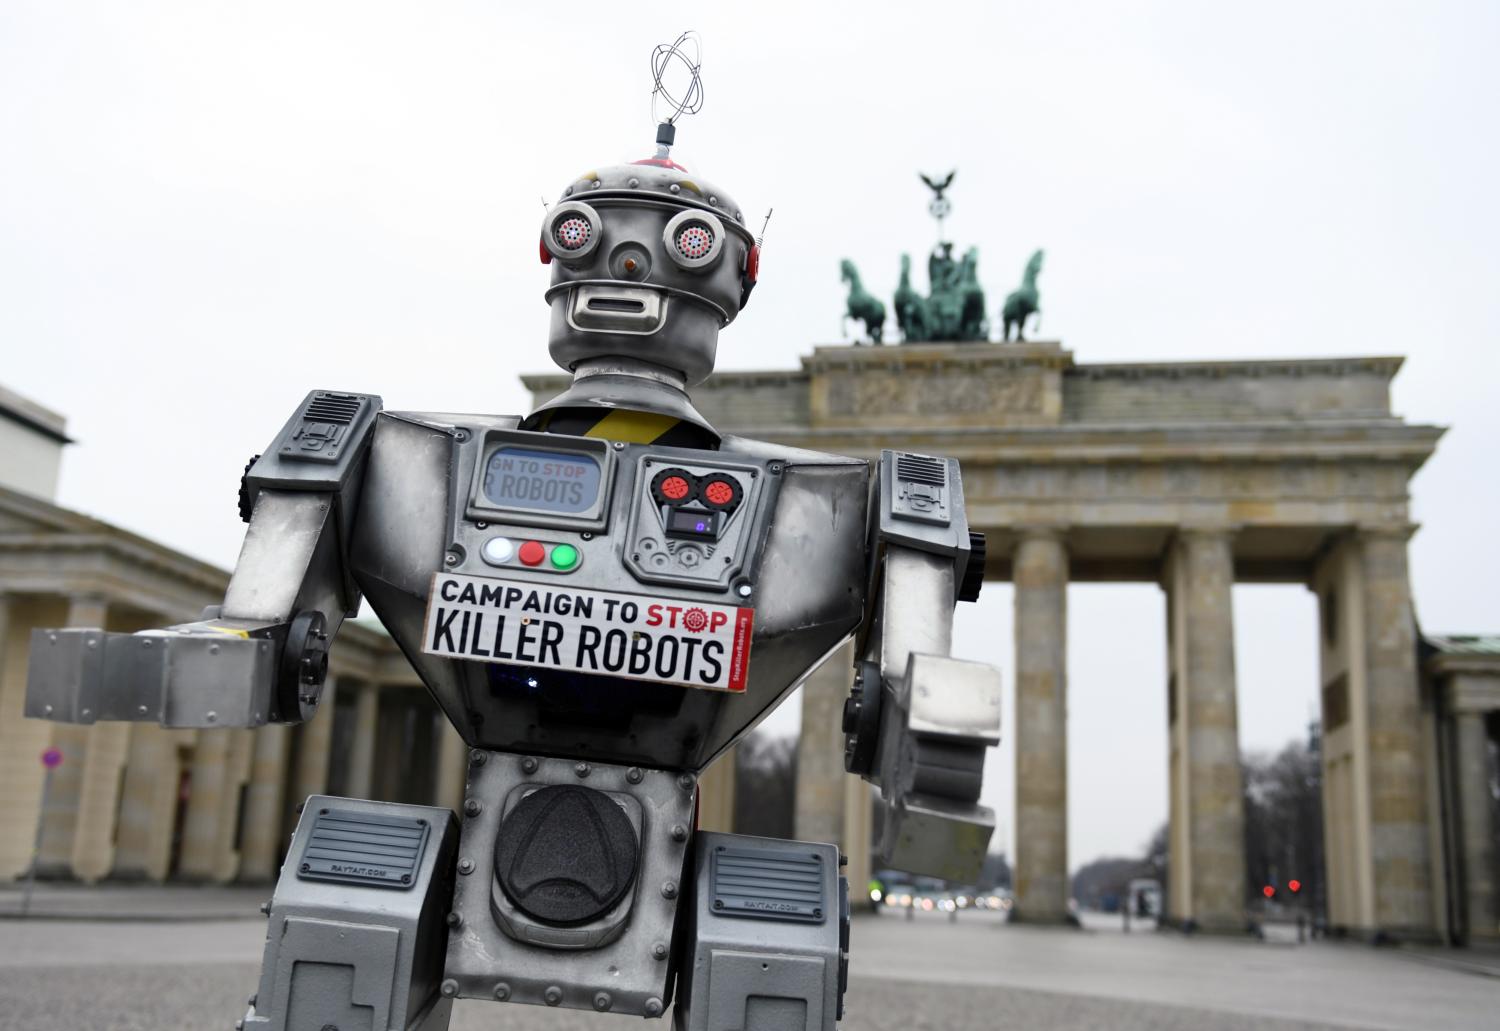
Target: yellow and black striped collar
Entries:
(624, 424)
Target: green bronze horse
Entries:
(1023, 303)
(972, 323)
(911, 307)
(862, 305)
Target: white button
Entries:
(498, 550)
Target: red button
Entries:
(718, 493)
(532, 553)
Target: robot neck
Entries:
(626, 399)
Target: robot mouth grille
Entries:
(572, 234)
(694, 241)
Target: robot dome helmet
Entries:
(648, 261)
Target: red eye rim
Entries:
(720, 492)
(674, 487)
(752, 263)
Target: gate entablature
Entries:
(1288, 454)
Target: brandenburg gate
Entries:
(1193, 476)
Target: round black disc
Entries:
(566, 854)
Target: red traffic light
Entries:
(1268, 891)
(1295, 885)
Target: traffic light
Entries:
(1268, 891)
(1295, 885)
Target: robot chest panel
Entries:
(639, 562)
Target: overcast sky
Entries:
(208, 209)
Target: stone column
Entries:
(99, 800)
(208, 779)
(1338, 582)
(362, 747)
(1207, 847)
(312, 752)
(1397, 793)
(716, 795)
(21, 745)
(221, 764)
(148, 803)
(452, 767)
(265, 802)
(64, 797)
(1040, 573)
(859, 820)
(1478, 859)
(820, 750)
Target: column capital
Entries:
(1399, 532)
(1040, 532)
(1208, 531)
(87, 609)
(1471, 695)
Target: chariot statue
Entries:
(954, 309)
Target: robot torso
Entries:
(595, 599)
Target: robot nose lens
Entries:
(630, 261)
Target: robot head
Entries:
(648, 263)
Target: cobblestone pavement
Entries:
(65, 975)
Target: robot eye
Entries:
(572, 231)
(572, 234)
(694, 240)
(721, 492)
(673, 486)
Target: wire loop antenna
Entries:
(682, 57)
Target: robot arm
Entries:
(918, 721)
(262, 656)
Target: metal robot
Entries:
(602, 596)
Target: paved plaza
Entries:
(124, 968)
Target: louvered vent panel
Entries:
(922, 469)
(770, 885)
(360, 848)
(333, 408)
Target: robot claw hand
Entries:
(932, 727)
(213, 673)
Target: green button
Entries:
(564, 557)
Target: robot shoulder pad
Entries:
(321, 445)
(921, 503)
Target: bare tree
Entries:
(765, 792)
(1284, 822)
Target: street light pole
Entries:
(51, 758)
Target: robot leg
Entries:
(766, 929)
(357, 929)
